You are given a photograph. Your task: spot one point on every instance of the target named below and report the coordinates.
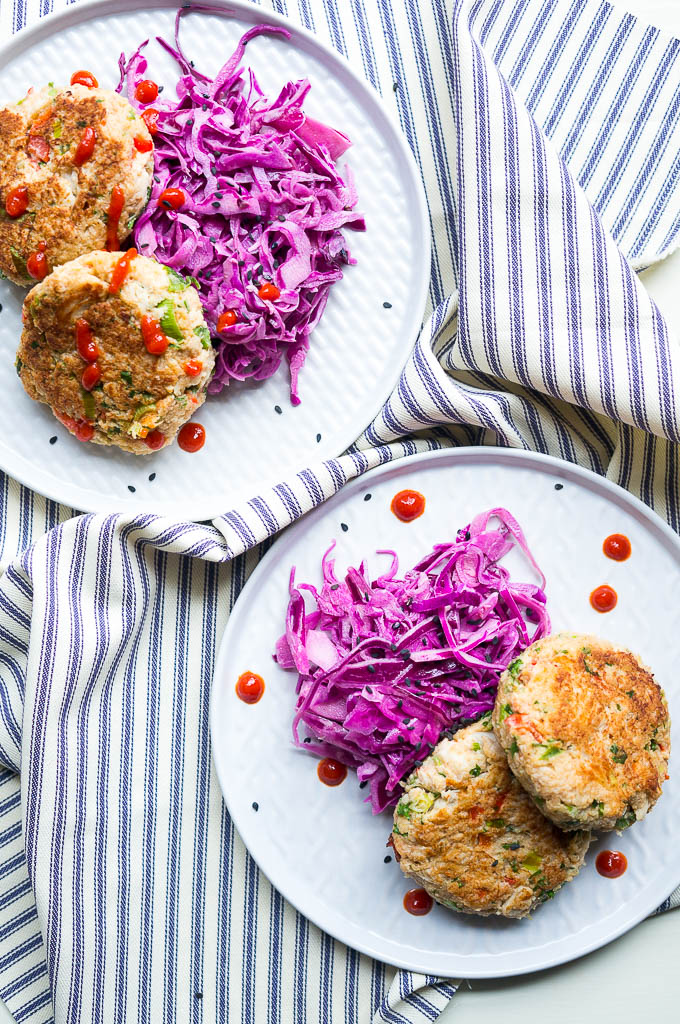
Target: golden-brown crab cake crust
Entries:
(68, 205)
(138, 392)
(467, 832)
(586, 730)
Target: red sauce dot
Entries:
(604, 598)
(611, 863)
(249, 687)
(146, 91)
(36, 264)
(85, 78)
(150, 119)
(227, 319)
(617, 546)
(191, 437)
(408, 505)
(171, 199)
(154, 440)
(268, 291)
(418, 902)
(331, 772)
(16, 202)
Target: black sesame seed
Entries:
(204, 106)
(131, 488)
(307, 739)
(166, 204)
(160, 88)
(53, 440)
(400, 705)
(156, 179)
(393, 647)
(362, 785)
(395, 86)
(318, 438)
(344, 527)
(367, 497)
(255, 805)
(558, 487)
(371, 668)
(335, 586)
(494, 863)
(197, 995)
(281, 216)
(387, 859)
(152, 477)
(278, 409)
(387, 305)
(216, 205)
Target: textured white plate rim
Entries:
(79, 497)
(446, 964)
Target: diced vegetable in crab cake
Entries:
(75, 168)
(117, 346)
(586, 730)
(468, 833)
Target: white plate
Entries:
(321, 847)
(358, 349)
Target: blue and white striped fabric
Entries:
(545, 129)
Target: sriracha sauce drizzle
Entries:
(611, 863)
(249, 687)
(121, 271)
(408, 505)
(113, 218)
(85, 147)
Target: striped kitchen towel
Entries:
(547, 134)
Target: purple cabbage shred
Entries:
(264, 203)
(388, 666)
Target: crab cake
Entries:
(468, 833)
(68, 159)
(586, 730)
(127, 367)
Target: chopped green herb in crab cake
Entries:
(586, 730)
(114, 344)
(466, 831)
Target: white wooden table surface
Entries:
(636, 978)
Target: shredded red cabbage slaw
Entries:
(388, 666)
(264, 203)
